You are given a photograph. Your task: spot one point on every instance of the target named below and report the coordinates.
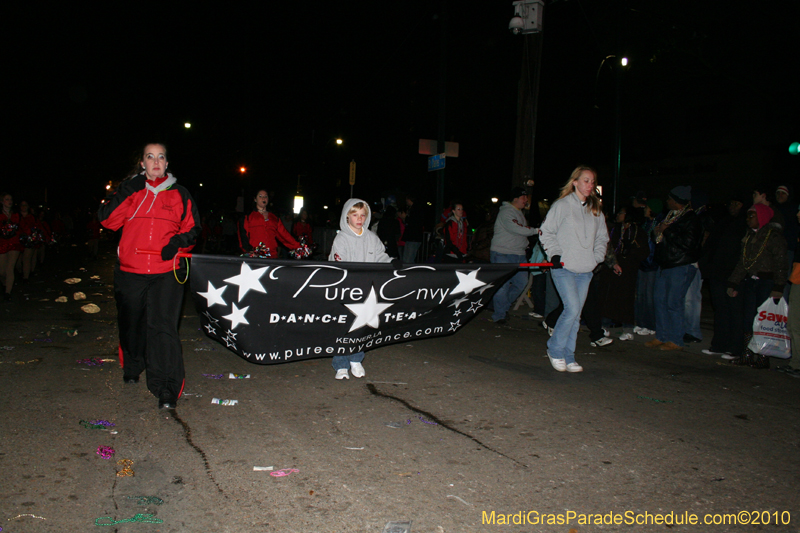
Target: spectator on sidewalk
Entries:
(760, 272)
(644, 310)
(678, 243)
(720, 255)
(413, 234)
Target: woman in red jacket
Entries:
(260, 231)
(10, 245)
(456, 235)
(156, 214)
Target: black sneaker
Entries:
(130, 380)
(690, 338)
(166, 400)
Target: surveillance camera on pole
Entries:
(527, 17)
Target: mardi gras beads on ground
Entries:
(126, 468)
(105, 452)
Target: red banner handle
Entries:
(538, 264)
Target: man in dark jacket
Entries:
(679, 239)
(721, 253)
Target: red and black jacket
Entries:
(254, 230)
(150, 221)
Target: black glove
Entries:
(556, 260)
(168, 252)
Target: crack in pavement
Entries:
(187, 432)
(375, 392)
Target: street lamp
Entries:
(623, 63)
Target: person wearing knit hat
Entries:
(679, 240)
(681, 194)
(760, 273)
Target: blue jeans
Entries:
(670, 302)
(573, 288)
(343, 361)
(507, 294)
(693, 306)
(551, 299)
(645, 307)
(410, 252)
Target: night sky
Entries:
(710, 98)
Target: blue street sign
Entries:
(436, 162)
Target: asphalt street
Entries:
(470, 433)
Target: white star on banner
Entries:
(214, 295)
(231, 334)
(248, 280)
(474, 306)
(210, 318)
(455, 325)
(467, 282)
(210, 329)
(368, 313)
(237, 316)
(457, 303)
(457, 312)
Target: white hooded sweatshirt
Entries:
(364, 248)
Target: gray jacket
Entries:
(511, 231)
(573, 232)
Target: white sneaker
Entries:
(638, 330)
(728, 357)
(342, 374)
(646, 331)
(602, 341)
(709, 352)
(558, 364)
(606, 332)
(357, 370)
(574, 367)
(534, 314)
(626, 337)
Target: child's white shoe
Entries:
(357, 369)
(342, 374)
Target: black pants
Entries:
(592, 313)
(148, 312)
(728, 319)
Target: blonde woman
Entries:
(573, 234)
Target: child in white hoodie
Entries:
(355, 243)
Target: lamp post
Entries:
(622, 64)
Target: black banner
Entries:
(270, 311)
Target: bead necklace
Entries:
(744, 251)
(672, 217)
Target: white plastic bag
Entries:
(770, 334)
